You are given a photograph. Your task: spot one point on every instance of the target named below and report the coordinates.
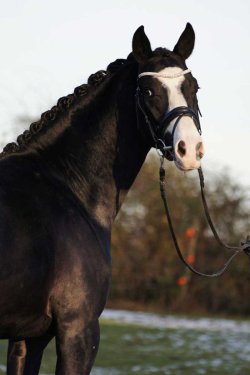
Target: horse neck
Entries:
(99, 155)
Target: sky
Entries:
(49, 47)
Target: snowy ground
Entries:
(175, 322)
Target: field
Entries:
(182, 347)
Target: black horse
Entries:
(61, 187)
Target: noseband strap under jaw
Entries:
(176, 114)
(159, 130)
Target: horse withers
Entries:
(62, 184)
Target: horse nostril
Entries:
(181, 148)
(199, 151)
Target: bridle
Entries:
(158, 131)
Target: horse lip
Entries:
(182, 168)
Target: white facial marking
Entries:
(187, 139)
(173, 86)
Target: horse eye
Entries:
(148, 92)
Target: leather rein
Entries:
(158, 131)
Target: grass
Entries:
(130, 349)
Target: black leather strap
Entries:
(244, 247)
(177, 113)
(158, 129)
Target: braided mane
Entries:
(63, 104)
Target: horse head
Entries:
(166, 99)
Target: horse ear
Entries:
(185, 45)
(141, 46)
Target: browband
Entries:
(155, 74)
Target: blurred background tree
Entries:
(146, 269)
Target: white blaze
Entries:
(186, 130)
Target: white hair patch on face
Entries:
(173, 86)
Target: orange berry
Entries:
(190, 259)
(190, 232)
(182, 281)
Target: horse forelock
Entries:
(63, 105)
(162, 57)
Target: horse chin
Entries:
(184, 168)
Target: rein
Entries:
(158, 133)
(244, 247)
